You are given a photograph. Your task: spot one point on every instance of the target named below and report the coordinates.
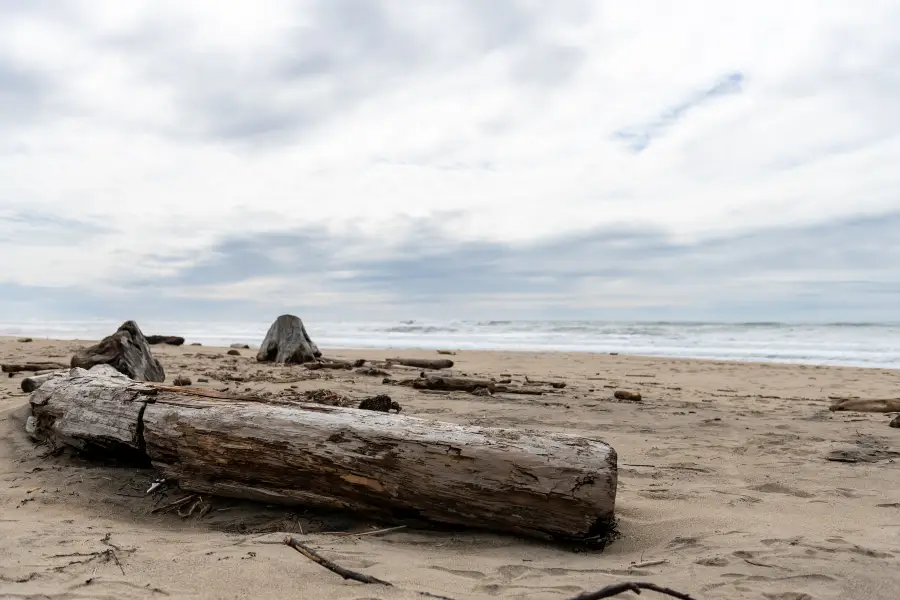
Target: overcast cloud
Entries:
(458, 159)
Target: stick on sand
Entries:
(334, 568)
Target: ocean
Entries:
(851, 344)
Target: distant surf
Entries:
(850, 344)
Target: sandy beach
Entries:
(725, 491)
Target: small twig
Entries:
(172, 505)
(334, 568)
(630, 586)
(651, 563)
(362, 533)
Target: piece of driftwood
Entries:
(31, 366)
(626, 395)
(554, 384)
(171, 340)
(895, 422)
(127, 351)
(331, 566)
(886, 405)
(386, 466)
(423, 363)
(29, 384)
(287, 342)
(372, 372)
(240, 346)
(462, 384)
(328, 364)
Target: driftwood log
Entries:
(171, 340)
(29, 384)
(31, 366)
(423, 363)
(886, 405)
(386, 466)
(461, 384)
(127, 351)
(287, 342)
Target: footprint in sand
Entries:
(777, 488)
(459, 572)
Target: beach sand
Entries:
(722, 475)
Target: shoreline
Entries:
(422, 352)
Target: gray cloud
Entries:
(838, 268)
(46, 230)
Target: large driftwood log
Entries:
(287, 342)
(392, 467)
(886, 405)
(171, 340)
(127, 351)
(423, 363)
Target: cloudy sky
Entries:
(359, 159)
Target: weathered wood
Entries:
(29, 384)
(423, 363)
(463, 384)
(239, 346)
(171, 340)
(96, 410)
(885, 405)
(328, 364)
(127, 351)
(32, 366)
(385, 466)
(287, 342)
(554, 384)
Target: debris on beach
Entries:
(233, 352)
(626, 395)
(895, 422)
(171, 340)
(182, 381)
(381, 403)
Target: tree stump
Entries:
(287, 342)
(390, 467)
(127, 351)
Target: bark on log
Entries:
(423, 363)
(32, 366)
(287, 342)
(391, 467)
(886, 405)
(127, 351)
(171, 340)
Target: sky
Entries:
(458, 159)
